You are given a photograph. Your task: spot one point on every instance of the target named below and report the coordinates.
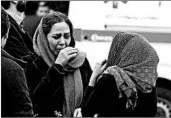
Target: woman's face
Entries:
(59, 37)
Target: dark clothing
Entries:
(128, 84)
(105, 101)
(19, 43)
(30, 24)
(49, 94)
(15, 99)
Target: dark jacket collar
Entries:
(22, 63)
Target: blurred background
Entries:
(97, 22)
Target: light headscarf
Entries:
(133, 63)
(73, 86)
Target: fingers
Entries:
(95, 115)
(65, 55)
(104, 62)
(72, 51)
(72, 55)
(67, 49)
(104, 67)
(77, 112)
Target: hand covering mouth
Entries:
(60, 48)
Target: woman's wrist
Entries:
(92, 81)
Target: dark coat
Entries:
(15, 99)
(19, 43)
(49, 94)
(104, 100)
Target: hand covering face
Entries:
(133, 63)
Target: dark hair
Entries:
(21, 6)
(56, 17)
(5, 23)
(5, 4)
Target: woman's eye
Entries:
(56, 36)
(66, 36)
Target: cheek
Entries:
(52, 43)
(68, 41)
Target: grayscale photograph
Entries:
(85, 58)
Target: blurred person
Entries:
(127, 88)
(15, 98)
(61, 6)
(43, 9)
(31, 19)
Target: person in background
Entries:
(19, 43)
(15, 98)
(31, 19)
(43, 8)
(127, 88)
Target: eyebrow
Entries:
(60, 33)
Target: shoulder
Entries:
(11, 71)
(9, 64)
(86, 64)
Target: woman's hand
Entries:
(65, 55)
(77, 112)
(97, 71)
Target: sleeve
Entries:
(100, 97)
(86, 72)
(22, 103)
(87, 94)
(49, 85)
(92, 101)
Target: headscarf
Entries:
(73, 86)
(133, 63)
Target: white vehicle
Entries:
(97, 22)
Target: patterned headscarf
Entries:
(73, 87)
(133, 63)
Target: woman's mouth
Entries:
(59, 49)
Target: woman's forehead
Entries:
(60, 27)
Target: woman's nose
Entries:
(62, 41)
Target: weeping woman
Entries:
(63, 72)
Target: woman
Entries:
(63, 71)
(128, 86)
